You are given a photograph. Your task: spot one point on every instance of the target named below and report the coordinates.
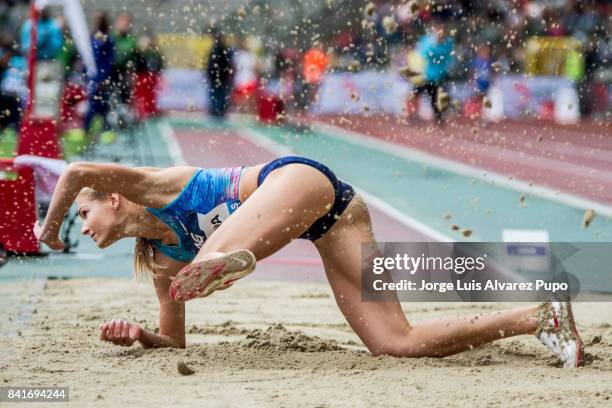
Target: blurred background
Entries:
(517, 54)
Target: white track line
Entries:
(545, 163)
(376, 202)
(264, 142)
(461, 168)
(169, 137)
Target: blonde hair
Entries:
(144, 251)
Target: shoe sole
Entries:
(203, 278)
(579, 343)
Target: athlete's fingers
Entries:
(110, 331)
(125, 333)
(117, 329)
(103, 328)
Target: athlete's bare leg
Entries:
(382, 326)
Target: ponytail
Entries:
(144, 259)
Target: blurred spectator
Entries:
(49, 37)
(8, 17)
(314, 65)
(73, 97)
(73, 106)
(245, 80)
(125, 53)
(149, 65)
(9, 100)
(482, 69)
(220, 74)
(286, 67)
(436, 49)
(68, 54)
(6, 52)
(98, 87)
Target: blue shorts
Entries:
(344, 193)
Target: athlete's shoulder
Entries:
(175, 170)
(162, 185)
(174, 178)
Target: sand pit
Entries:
(278, 339)
(282, 344)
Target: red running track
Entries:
(574, 159)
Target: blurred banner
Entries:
(535, 96)
(184, 51)
(368, 92)
(373, 92)
(183, 85)
(183, 90)
(554, 56)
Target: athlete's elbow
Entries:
(77, 170)
(83, 173)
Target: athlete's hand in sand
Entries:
(51, 239)
(120, 332)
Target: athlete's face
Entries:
(100, 218)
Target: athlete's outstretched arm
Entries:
(135, 184)
(171, 315)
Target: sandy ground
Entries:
(275, 344)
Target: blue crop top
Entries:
(206, 201)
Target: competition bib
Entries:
(212, 220)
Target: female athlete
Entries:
(200, 229)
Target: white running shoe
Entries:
(557, 331)
(203, 278)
